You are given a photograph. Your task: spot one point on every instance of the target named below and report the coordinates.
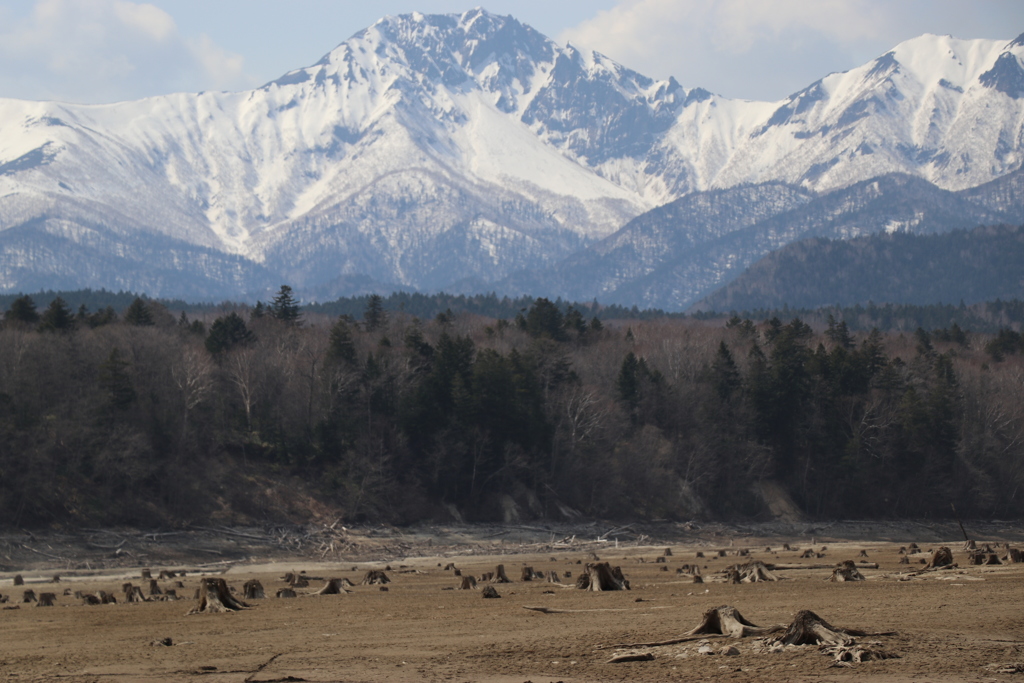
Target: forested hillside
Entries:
(983, 264)
(142, 417)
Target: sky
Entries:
(97, 51)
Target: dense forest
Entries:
(142, 416)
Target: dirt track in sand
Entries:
(950, 624)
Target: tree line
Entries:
(268, 413)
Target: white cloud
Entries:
(107, 50)
(766, 49)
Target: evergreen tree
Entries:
(725, 376)
(228, 332)
(138, 314)
(22, 310)
(340, 346)
(374, 316)
(57, 317)
(545, 320)
(285, 308)
(114, 378)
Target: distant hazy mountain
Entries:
(983, 264)
(454, 151)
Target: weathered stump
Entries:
(28, 596)
(19, 580)
(375, 577)
(601, 576)
(943, 557)
(1014, 556)
(699, 554)
(214, 596)
(468, 583)
(499, 575)
(253, 590)
(553, 577)
(132, 593)
(726, 620)
(165, 574)
(46, 600)
(808, 628)
(753, 572)
(863, 553)
(107, 598)
(526, 574)
(490, 592)
(847, 571)
(285, 593)
(90, 599)
(55, 579)
(668, 552)
(154, 587)
(146, 575)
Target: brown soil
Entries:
(950, 624)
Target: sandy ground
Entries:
(950, 625)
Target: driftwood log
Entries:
(253, 590)
(334, 587)
(214, 596)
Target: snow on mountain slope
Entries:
(430, 150)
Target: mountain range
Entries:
(471, 153)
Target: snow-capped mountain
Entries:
(429, 151)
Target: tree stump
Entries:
(28, 596)
(659, 560)
(214, 597)
(253, 590)
(808, 628)
(700, 554)
(1014, 556)
(170, 594)
(526, 574)
(602, 577)
(567, 575)
(785, 546)
(863, 553)
(456, 572)
(499, 575)
(90, 599)
(154, 587)
(696, 578)
(668, 552)
(285, 593)
(3, 599)
(553, 577)
(146, 575)
(468, 583)
(295, 580)
(752, 572)
(375, 577)
(18, 580)
(970, 545)
(164, 574)
(583, 581)
(726, 620)
(107, 598)
(55, 579)
(490, 592)
(943, 557)
(847, 571)
(486, 576)
(904, 560)
(133, 593)
(334, 587)
(46, 600)
(809, 553)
